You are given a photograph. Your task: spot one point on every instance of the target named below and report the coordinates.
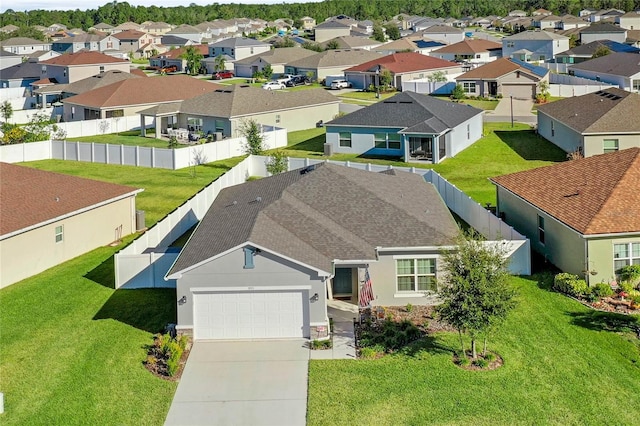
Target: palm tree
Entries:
(193, 58)
(219, 63)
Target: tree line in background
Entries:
(118, 12)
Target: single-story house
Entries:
(8, 59)
(23, 45)
(475, 51)
(222, 111)
(330, 29)
(443, 33)
(585, 52)
(403, 67)
(620, 69)
(630, 20)
(411, 43)
(49, 218)
(581, 215)
(71, 67)
(128, 97)
(22, 74)
(592, 124)
(352, 42)
(276, 58)
(329, 63)
(504, 76)
(602, 31)
(269, 254)
(175, 57)
(97, 42)
(409, 125)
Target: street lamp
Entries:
(511, 96)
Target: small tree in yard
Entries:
(193, 57)
(475, 289)
(458, 92)
(251, 131)
(277, 163)
(438, 76)
(267, 71)
(6, 110)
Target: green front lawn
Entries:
(487, 105)
(365, 96)
(71, 347)
(564, 364)
(503, 150)
(132, 138)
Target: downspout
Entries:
(587, 274)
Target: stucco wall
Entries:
(588, 38)
(457, 139)
(324, 34)
(269, 270)
(563, 247)
(362, 140)
(562, 136)
(293, 119)
(34, 251)
(601, 257)
(383, 278)
(76, 73)
(594, 145)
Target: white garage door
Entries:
(249, 315)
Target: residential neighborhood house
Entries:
(411, 126)
(578, 214)
(534, 45)
(329, 63)
(268, 254)
(49, 218)
(619, 69)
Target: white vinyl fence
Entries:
(429, 87)
(163, 158)
(557, 68)
(147, 259)
(568, 85)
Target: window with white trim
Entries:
(510, 44)
(625, 254)
(541, 229)
(469, 87)
(610, 145)
(345, 139)
(59, 233)
(277, 118)
(194, 124)
(635, 85)
(416, 275)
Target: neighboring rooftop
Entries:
(594, 195)
(281, 55)
(235, 42)
(29, 196)
(335, 58)
(588, 49)
(610, 110)
(619, 63)
(21, 41)
(90, 83)
(599, 28)
(470, 46)
(411, 111)
(503, 66)
(536, 35)
(404, 62)
(322, 213)
(83, 57)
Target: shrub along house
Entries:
(49, 218)
(409, 125)
(270, 253)
(581, 215)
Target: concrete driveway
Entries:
(243, 383)
(521, 111)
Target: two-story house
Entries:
(137, 42)
(534, 45)
(237, 48)
(72, 67)
(189, 32)
(23, 45)
(95, 42)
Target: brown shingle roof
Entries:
(129, 35)
(83, 57)
(404, 62)
(610, 110)
(30, 196)
(594, 195)
(494, 69)
(141, 91)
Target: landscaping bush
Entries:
(630, 274)
(371, 352)
(481, 362)
(627, 287)
(602, 290)
(321, 344)
(390, 335)
(570, 284)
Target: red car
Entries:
(222, 74)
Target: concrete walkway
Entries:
(521, 111)
(344, 346)
(243, 383)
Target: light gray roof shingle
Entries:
(278, 56)
(618, 63)
(305, 217)
(336, 58)
(235, 42)
(413, 112)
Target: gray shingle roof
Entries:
(413, 112)
(89, 83)
(332, 212)
(535, 35)
(240, 100)
(335, 58)
(618, 63)
(610, 110)
(602, 28)
(278, 56)
(22, 41)
(332, 24)
(23, 70)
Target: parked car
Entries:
(340, 84)
(222, 74)
(273, 85)
(297, 80)
(168, 69)
(284, 78)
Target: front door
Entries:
(342, 283)
(493, 88)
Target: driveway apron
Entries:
(243, 383)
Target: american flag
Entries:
(366, 292)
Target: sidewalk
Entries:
(344, 343)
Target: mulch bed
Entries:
(496, 363)
(419, 315)
(159, 369)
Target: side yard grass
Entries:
(72, 347)
(502, 150)
(563, 364)
(132, 138)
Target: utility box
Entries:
(328, 149)
(140, 220)
(217, 136)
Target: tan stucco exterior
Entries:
(292, 119)
(324, 34)
(36, 250)
(70, 74)
(571, 140)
